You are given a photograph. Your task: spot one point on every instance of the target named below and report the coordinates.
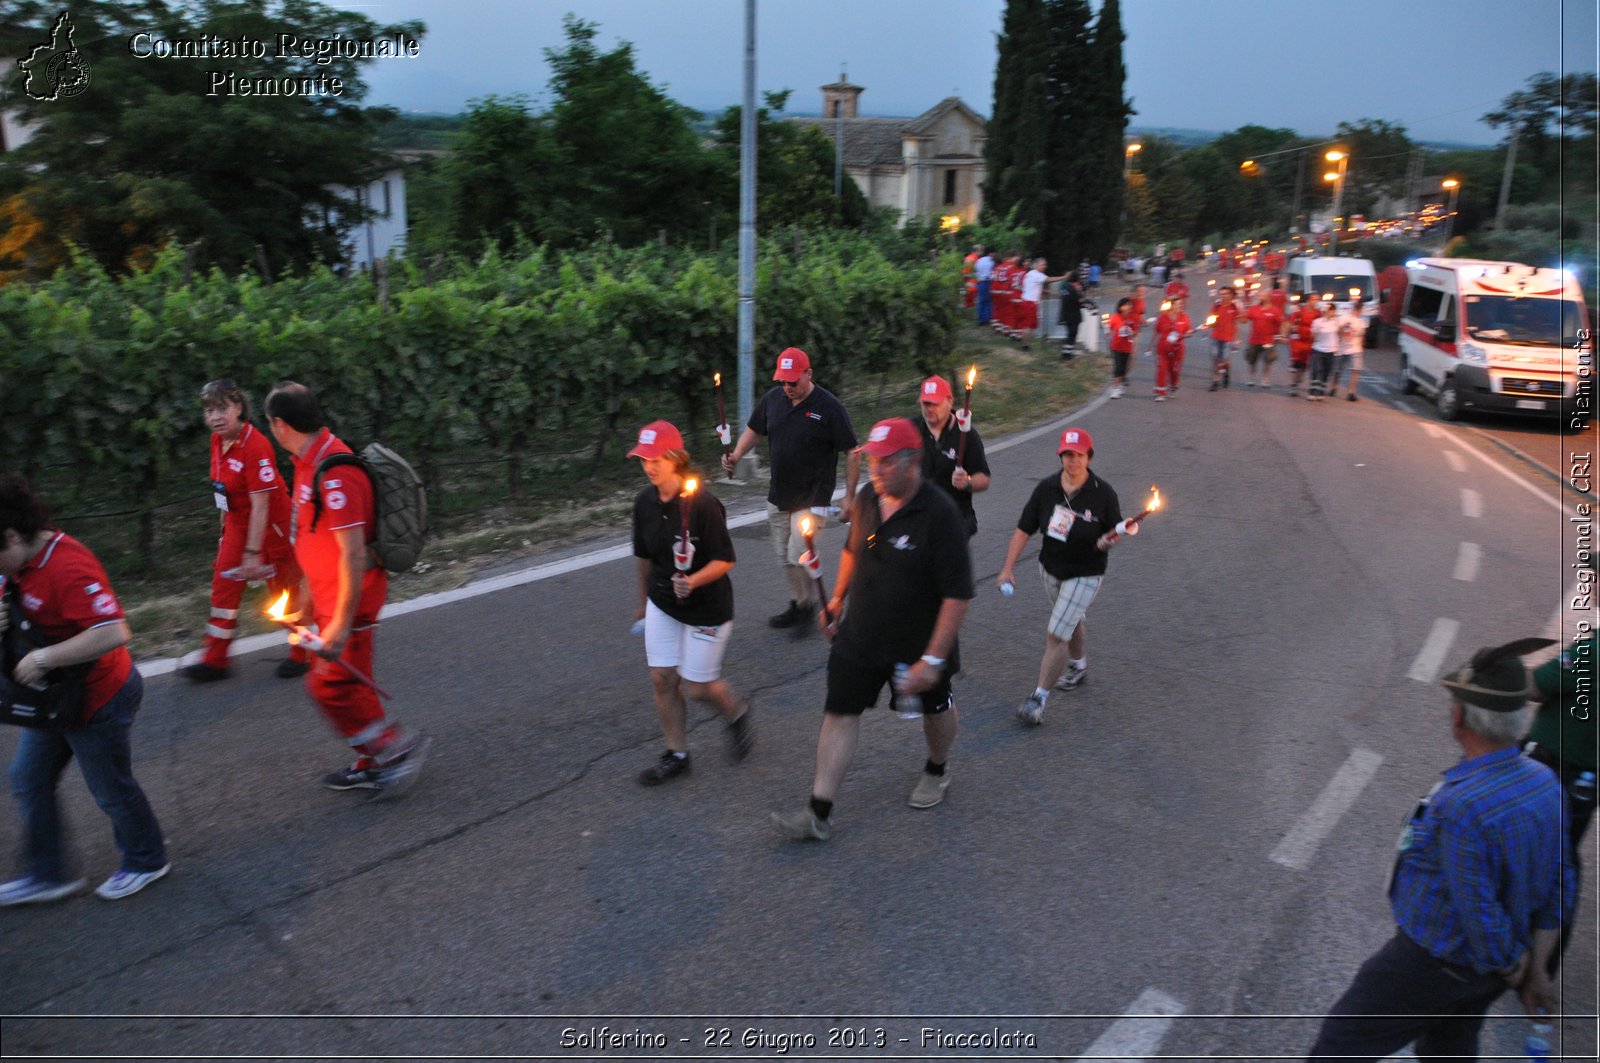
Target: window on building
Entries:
(949, 187)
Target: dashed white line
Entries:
(1300, 844)
(1471, 503)
(1425, 669)
(1454, 460)
(1138, 1034)
(1467, 559)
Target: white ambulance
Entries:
(1479, 335)
(1338, 280)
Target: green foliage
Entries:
(794, 167)
(506, 358)
(144, 158)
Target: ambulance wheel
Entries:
(1448, 401)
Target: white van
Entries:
(1481, 335)
(1312, 276)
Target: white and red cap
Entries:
(935, 389)
(791, 364)
(655, 439)
(891, 437)
(1076, 440)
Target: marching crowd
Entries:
(1484, 877)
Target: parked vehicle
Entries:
(1479, 335)
(1315, 276)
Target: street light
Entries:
(1127, 157)
(1128, 152)
(1450, 219)
(1343, 159)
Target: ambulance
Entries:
(1501, 336)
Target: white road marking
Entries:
(1137, 1035)
(1047, 429)
(1300, 844)
(1402, 407)
(1434, 430)
(1425, 669)
(1471, 503)
(1454, 460)
(1467, 559)
(1378, 385)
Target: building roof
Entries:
(875, 142)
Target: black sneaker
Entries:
(398, 776)
(292, 669)
(352, 778)
(200, 672)
(668, 767)
(741, 737)
(795, 614)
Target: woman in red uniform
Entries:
(1299, 326)
(255, 528)
(1122, 326)
(1172, 328)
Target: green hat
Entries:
(1495, 678)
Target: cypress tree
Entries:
(1099, 126)
(1064, 35)
(1014, 151)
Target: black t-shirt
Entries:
(905, 569)
(657, 525)
(806, 441)
(939, 462)
(1089, 513)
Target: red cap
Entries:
(655, 439)
(891, 437)
(791, 364)
(935, 389)
(1076, 440)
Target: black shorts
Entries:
(853, 688)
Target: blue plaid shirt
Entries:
(1483, 863)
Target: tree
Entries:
(1380, 157)
(145, 156)
(501, 160)
(1015, 153)
(1554, 123)
(1101, 113)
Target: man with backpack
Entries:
(335, 527)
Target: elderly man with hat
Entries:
(958, 470)
(807, 427)
(1078, 514)
(1481, 884)
(905, 581)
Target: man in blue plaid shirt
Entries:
(1481, 885)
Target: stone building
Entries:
(930, 165)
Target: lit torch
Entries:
(304, 636)
(683, 556)
(812, 563)
(1128, 526)
(965, 420)
(724, 430)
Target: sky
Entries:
(1212, 65)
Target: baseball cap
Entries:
(891, 437)
(655, 439)
(935, 389)
(1076, 440)
(791, 364)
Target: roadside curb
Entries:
(1551, 474)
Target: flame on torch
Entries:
(1155, 500)
(972, 376)
(279, 609)
(716, 378)
(805, 527)
(690, 485)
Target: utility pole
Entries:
(1505, 182)
(747, 219)
(1299, 185)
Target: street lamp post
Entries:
(1338, 177)
(1450, 219)
(1128, 152)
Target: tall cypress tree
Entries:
(1014, 151)
(1099, 126)
(1064, 34)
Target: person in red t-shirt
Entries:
(1177, 290)
(1122, 326)
(1172, 328)
(61, 591)
(1223, 323)
(333, 520)
(1298, 329)
(969, 277)
(1266, 325)
(255, 528)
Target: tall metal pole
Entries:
(747, 220)
(1505, 183)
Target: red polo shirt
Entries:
(247, 468)
(1265, 321)
(1227, 318)
(346, 503)
(64, 591)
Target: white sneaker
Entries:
(1116, 393)
(30, 890)
(126, 883)
(1161, 398)
(1032, 710)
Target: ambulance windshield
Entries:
(1524, 321)
(1338, 286)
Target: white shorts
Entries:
(696, 652)
(783, 531)
(1071, 600)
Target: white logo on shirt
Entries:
(105, 605)
(32, 604)
(235, 465)
(305, 492)
(336, 500)
(267, 473)
(903, 543)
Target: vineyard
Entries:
(521, 366)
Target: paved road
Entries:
(1185, 860)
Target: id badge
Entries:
(1060, 523)
(219, 491)
(704, 634)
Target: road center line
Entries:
(1425, 669)
(1300, 844)
(1467, 559)
(1471, 503)
(1137, 1035)
(1455, 461)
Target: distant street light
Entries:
(1450, 219)
(1338, 177)
(1128, 152)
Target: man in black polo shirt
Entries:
(808, 427)
(1078, 513)
(908, 576)
(941, 443)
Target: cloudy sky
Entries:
(1196, 64)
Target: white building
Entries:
(385, 232)
(930, 165)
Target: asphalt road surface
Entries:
(1185, 861)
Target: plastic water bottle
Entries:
(1537, 1046)
(907, 706)
(1008, 588)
